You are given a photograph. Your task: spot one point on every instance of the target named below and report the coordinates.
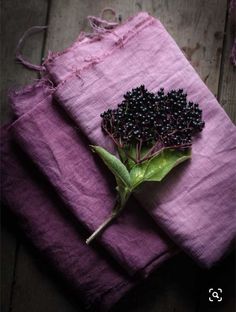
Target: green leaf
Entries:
(156, 168)
(116, 166)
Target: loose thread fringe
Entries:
(20, 44)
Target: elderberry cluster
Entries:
(149, 117)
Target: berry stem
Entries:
(149, 153)
(137, 152)
(119, 206)
(113, 139)
(102, 227)
(164, 148)
(129, 156)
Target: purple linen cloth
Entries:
(53, 142)
(45, 220)
(196, 204)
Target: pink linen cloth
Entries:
(196, 204)
(97, 280)
(52, 141)
(89, 50)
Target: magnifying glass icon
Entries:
(215, 294)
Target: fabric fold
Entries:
(205, 189)
(98, 281)
(62, 153)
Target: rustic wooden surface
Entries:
(203, 30)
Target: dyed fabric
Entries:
(87, 51)
(57, 210)
(56, 146)
(49, 226)
(195, 205)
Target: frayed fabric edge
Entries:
(91, 37)
(118, 44)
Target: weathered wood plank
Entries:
(37, 288)
(17, 16)
(223, 276)
(198, 28)
(170, 288)
(227, 86)
(8, 257)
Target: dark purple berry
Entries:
(150, 117)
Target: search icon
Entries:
(215, 294)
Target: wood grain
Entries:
(227, 84)
(17, 16)
(171, 288)
(198, 30)
(36, 287)
(198, 26)
(9, 244)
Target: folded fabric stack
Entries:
(60, 192)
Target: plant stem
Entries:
(120, 204)
(101, 227)
(149, 153)
(147, 156)
(137, 152)
(129, 156)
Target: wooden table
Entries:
(202, 28)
